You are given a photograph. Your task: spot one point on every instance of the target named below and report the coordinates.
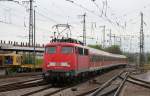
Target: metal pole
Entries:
(84, 29)
(34, 41)
(114, 39)
(54, 35)
(104, 36)
(30, 29)
(120, 42)
(131, 43)
(31, 24)
(141, 59)
(103, 41)
(110, 42)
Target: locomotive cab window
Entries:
(67, 50)
(50, 50)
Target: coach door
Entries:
(83, 59)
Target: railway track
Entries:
(71, 88)
(48, 88)
(138, 82)
(21, 75)
(114, 86)
(21, 85)
(55, 92)
(36, 91)
(110, 88)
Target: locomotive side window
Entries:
(96, 58)
(80, 51)
(86, 52)
(51, 50)
(67, 49)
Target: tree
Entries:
(99, 47)
(114, 49)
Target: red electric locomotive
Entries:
(65, 60)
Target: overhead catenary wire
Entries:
(47, 11)
(18, 25)
(50, 19)
(40, 15)
(104, 13)
(46, 17)
(93, 12)
(99, 9)
(125, 14)
(43, 16)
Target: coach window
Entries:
(105, 58)
(80, 51)
(86, 52)
(91, 58)
(51, 50)
(101, 58)
(94, 58)
(67, 50)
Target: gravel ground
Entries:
(134, 90)
(85, 87)
(144, 76)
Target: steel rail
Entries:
(104, 94)
(54, 92)
(121, 85)
(20, 82)
(86, 93)
(106, 84)
(137, 83)
(136, 79)
(21, 75)
(20, 86)
(37, 91)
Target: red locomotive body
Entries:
(70, 60)
(59, 56)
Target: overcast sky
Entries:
(121, 16)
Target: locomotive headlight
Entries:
(66, 64)
(51, 64)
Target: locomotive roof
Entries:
(67, 40)
(91, 50)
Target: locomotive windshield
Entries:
(67, 50)
(50, 50)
